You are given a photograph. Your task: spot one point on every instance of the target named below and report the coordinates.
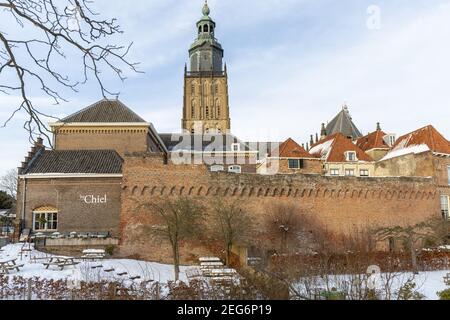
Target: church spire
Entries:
(206, 53)
(205, 9)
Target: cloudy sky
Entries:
(292, 65)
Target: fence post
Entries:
(29, 291)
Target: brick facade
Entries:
(73, 213)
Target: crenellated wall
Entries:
(342, 204)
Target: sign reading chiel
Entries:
(92, 199)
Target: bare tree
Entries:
(232, 225)
(414, 236)
(8, 182)
(55, 31)
(179, 219)
(288, 225)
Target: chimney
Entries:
(317, 137)
(378, 126)
(323, 132)
(307, 147)
(39, 142)
(311, 142)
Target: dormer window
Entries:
(350, 156)
(236, 147)
(390, 139)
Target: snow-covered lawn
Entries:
(84, 272)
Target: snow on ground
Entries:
(33, 267)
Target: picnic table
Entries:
(60, 262)
(93, 254)
(9, 265)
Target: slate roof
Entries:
(105, 111)
(291, 149)
(374, 140)
(201, 143)
(333, 148)
(76, 162)
(428, 136)
(343, 123)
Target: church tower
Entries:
(205, 105)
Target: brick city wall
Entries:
(73, 213)
(342, 204)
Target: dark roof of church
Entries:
(105, 111)
(201, 143)
(76, 161)
(343, 123)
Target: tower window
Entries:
(193, 109)
(216, 89)
(207, 112)
(193, 88)
(218, 112)
(205, 28)
(200, 29)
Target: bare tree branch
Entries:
(75, 28)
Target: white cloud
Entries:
(398, 75)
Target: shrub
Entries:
(444, 295)
(110, 250)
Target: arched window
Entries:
(200, 29)
(217, 104)
(205, 28)
(45, 219)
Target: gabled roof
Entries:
(291, 149)
(422, 140)
(343, 123)
(76, 162)
(202, 142)
(105, 111)
(374, 140)
(333, 148)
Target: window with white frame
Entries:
(236, 147)
(45, 220)
(364, 173)
(334, 172)
(350, 156)
(390, 139)
(235, 169)
(445, 206)
(217, 168)
(349, 172)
